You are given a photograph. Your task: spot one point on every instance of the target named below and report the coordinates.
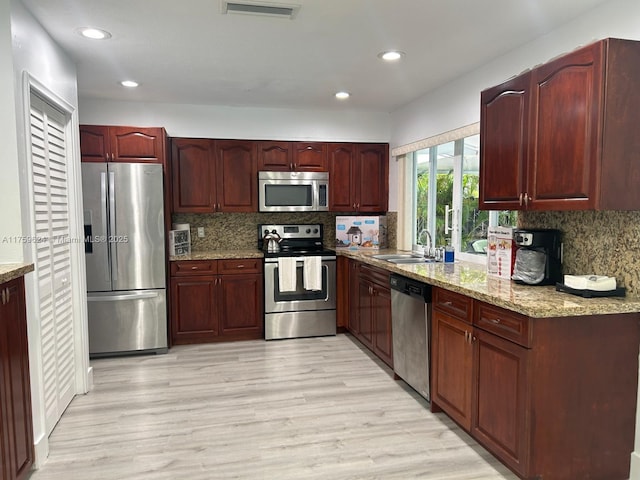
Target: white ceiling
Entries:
(186, 51)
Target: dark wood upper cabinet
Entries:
(214, 175)
(193, 175)
(342, 194)
(100, 143)
(236, 176)
(292, 156)
(275, 156)
(564, 135)
(372, 177)
(309, 156)
(504, 123)
(358, 177)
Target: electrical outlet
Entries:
(200, 232)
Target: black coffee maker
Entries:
(538, 256)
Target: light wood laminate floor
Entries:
(317, 408)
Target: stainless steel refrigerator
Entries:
(125, 257)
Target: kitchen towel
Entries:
(287, 274)
(312, 273)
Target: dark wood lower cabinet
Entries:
(552, 398)
(500, 399)
(370, 309)
(451, 380)
(16, 428)
(216, 300)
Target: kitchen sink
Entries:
(403, 258)
(404, 261)
(393, 256)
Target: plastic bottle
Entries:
(449, 252)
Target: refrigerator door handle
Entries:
(113, 246)
(105, 214)
(121, 296)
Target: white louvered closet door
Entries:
(53, 257)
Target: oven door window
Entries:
(278, 195)
(300, 294)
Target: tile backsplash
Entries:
(602, 243)
(239, 231)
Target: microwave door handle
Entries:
(315, 201)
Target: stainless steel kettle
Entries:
(271, 242)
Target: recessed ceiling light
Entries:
(342, 95)
(391, 55)
(94, 33)
(129, 83)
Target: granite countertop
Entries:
(472, 280)
(10, 271)
(218, 255)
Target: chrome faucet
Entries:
(428, 250)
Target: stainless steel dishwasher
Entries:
(410, 329)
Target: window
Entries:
(445, 189)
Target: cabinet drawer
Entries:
(504, 323)
(194, 267)
(375, 275)
(455, 304)
(242, 265)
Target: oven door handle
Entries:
(300, 259)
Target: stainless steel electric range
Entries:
(295, 311)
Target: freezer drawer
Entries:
(127, 322)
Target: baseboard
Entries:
(41, 451)
(89, 379)
(634, 473)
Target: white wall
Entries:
(458, 103)
(10, 220)
(206, 121)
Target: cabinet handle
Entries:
(473, 338)
(291, 166)
(4, 296)
(194, 268)
(521, 195)
(357, 206)
(240, 266)
(527, 199)
(495, 320)
(448, 304)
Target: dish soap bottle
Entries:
(449, 252)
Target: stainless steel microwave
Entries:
(293, 191)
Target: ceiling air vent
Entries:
(270, 9)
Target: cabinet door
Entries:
(365, 313)
(565, 131)
(94, 143)
(500, 399)
(193, 175)
(132, 144)
(194, 314)
(275, 156)
(237, 177)
(310, 156)
(451, 367)
(241, 311)
(372, 178)
(354, 298)
(381, 310)
(341, 179)
(16, 404)
(504, 127)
